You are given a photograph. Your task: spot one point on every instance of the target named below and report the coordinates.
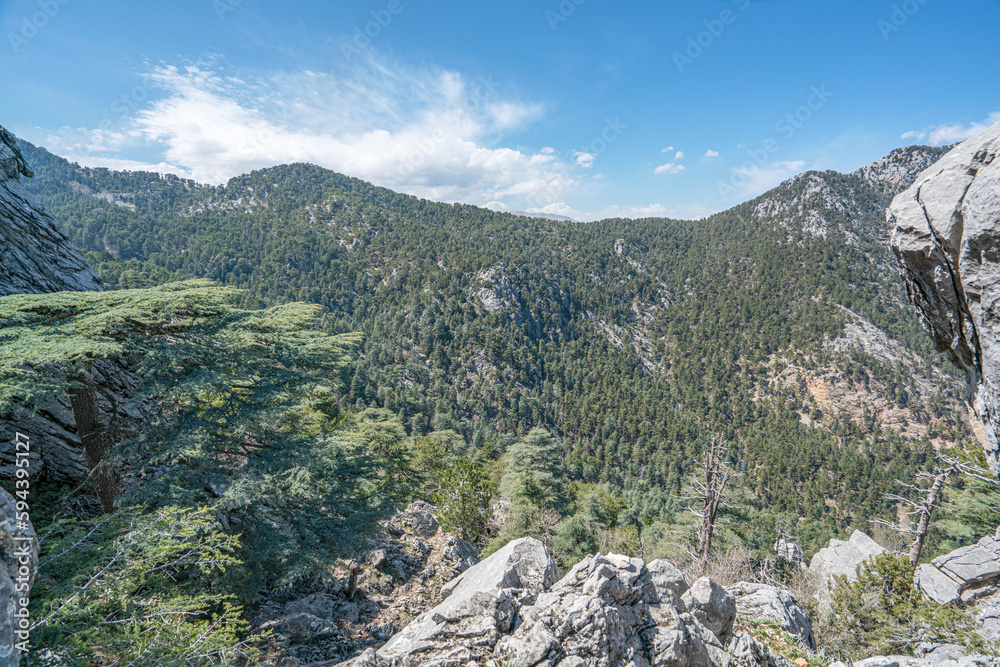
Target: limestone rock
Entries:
(965, 574)
(937, 585)
(947, 239)
(748, 652)
(418, 516)
(18, 566)
(763, 601)
(668, 582)
(714, 606)
(608, 611)
(523, 564)
(35, 254)
(842, 558)
(37, 257)
(479, 604)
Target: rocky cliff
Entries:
(35, 254)
(947, 238)
(36, 257)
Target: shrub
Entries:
(883, 613)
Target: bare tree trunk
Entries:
(96, 439)
(923, 525)
(715, 481)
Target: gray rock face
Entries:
(763, 601)
(964, 574)
(18, 565)
(947, 239)
(842, 558)
(36, 257)
(481, 603)
(35, 254)
(668, 583)
(607, 611)
(714, 606)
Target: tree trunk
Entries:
(96, 441)
(925, 515)
(713, 496)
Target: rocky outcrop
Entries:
(35, 253)
(964, 574)
(947, 239)
(842, 558)
(607, 611)
(763, 601)
(37, 257)
(18, 565)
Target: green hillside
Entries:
(781, 324)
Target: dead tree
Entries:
(923, 509)
(711, 493)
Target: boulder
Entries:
(763, 601)
(937, 585)
(965, 574)
(419, 518)
(947, 226)
(976, 564)
(669, 583)
(842, 558)
(714, 606)
(478, 605)
(748, 652)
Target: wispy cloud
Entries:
(433, 133)
(711, 153)
(951, 133)
(656, 210)
(669, 168)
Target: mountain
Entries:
(780, 324)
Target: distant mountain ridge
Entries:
(781, 323)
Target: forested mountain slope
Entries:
(781, 323)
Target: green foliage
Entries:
(626, 339)
(883, 613)
(241, 401)
(536, 472)
(134, 588)
(576, 537)
(465, 491)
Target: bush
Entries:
(883, 613)
(463, 499)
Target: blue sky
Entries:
(585, 108)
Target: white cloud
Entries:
(669, 168)
(585, 160)
(694, 212)
(942, 135)
(711, 153)
(668, 149)
(427, 132)
(679, 156)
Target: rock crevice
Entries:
(947, 240)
